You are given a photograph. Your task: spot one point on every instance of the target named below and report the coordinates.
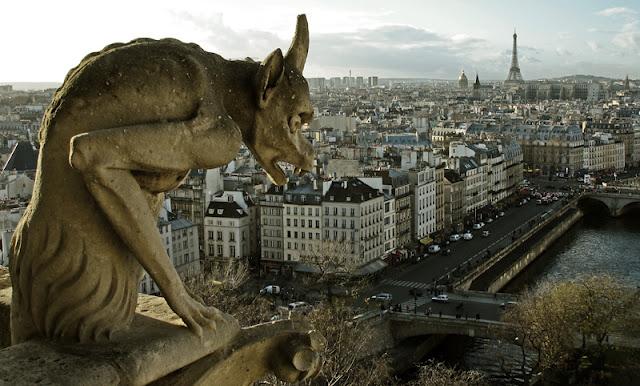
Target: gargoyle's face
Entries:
(284, 107)
(278, 128)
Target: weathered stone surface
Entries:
(164, 351)
(127, 125)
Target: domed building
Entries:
(463, 82)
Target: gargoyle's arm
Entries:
(106, 158)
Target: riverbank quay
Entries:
(495, 272)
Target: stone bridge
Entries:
(407, 325)
(618, 201)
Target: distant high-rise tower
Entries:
(514, 77)
(463, 82)
(627, 86)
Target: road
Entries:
(423, 274)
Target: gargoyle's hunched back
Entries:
(126, 126)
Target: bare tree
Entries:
(223, 288)
(333, 265)
(438, 374)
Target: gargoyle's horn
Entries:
(297, 54)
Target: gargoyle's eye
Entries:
(295, 123)
(306, 117)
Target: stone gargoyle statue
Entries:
(127, 125)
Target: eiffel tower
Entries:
(515, 77)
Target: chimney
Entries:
(315, 185)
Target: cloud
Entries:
(560, 51)
(628, 39)
(595, 46)
(615, 11)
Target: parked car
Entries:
(454, 237)
(501, 214)
(435, 248)
(489, 220)
(467, 236)
(442, 298)
(482, 224)
(477, 226)
(270, 290)
(485, 233)
(381, 297)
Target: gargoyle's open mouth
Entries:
(277, 171)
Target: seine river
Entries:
(596, 245)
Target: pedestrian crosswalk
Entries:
(406, 283)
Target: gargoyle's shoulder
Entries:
(142, 43)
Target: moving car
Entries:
(501, 214)
(454, 237)
(489, 220)
(485, 233)
(300, 306)
(381, 297)
(270, 290)
(435, 248)
(442, 298)
(505, 305)
(477, 226)
(467, 236)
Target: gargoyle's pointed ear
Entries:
(269, 75)
(297, 54)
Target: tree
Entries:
(540, 323)
(438, 374)
(333, 265)
(557, 318)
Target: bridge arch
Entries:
(592, 204)
(616, 203)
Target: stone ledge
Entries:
(159, 349)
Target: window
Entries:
(219, 236)
(288, 233)
(232, 251)
(317, 223)
(232, 236)
(244, 235)
(344, 211)
(310, 222)
(288, 222)
(210, 250)
(219, 248)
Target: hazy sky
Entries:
(400, 38)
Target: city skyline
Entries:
(410, 40)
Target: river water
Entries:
(598, 244)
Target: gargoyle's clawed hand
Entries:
(301, 357)
(197, 316)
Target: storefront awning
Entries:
(371, 267)
(426, 240)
